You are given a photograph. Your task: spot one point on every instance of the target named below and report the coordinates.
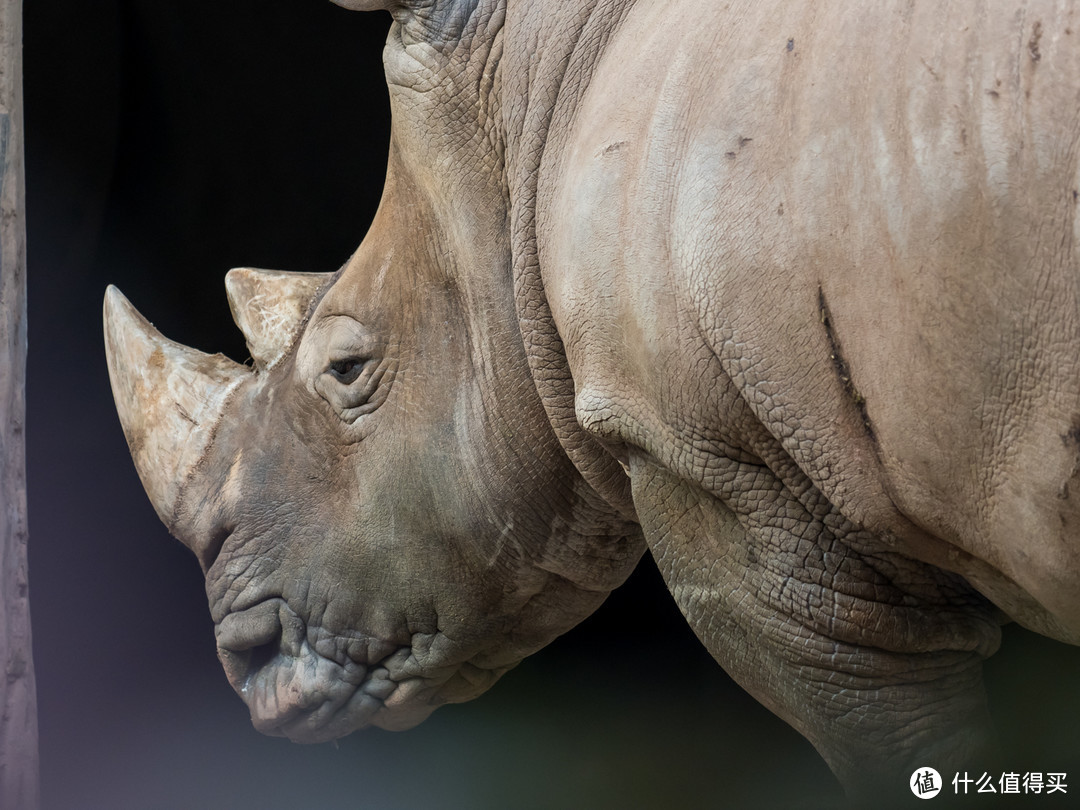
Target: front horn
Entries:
(169, 399)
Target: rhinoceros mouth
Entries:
(311, 685)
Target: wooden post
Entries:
(18, 698)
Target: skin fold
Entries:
(785, 294)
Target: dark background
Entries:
(166, 143)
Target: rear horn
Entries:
(269, 306)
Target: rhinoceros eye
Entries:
(354, 384)
(347, 370)
(346, 364)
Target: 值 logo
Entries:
(925, 783)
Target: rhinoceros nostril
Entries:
(237, 666)
(249, 640)
(260, 656)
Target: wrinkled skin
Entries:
(457, 538)
(672, 272)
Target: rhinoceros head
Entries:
(382, 529)
(385, 516)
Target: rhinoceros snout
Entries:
(305, 683)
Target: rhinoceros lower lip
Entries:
(306, 683)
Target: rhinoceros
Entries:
(785, 294)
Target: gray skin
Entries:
(788, 294)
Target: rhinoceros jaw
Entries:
(269, 306)
(169, 399)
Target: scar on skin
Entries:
(840, 366)
(611, 147)
(1033, 43)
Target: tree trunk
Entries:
(18, 699)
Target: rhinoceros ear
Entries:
(269, 306)
(169, 399)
